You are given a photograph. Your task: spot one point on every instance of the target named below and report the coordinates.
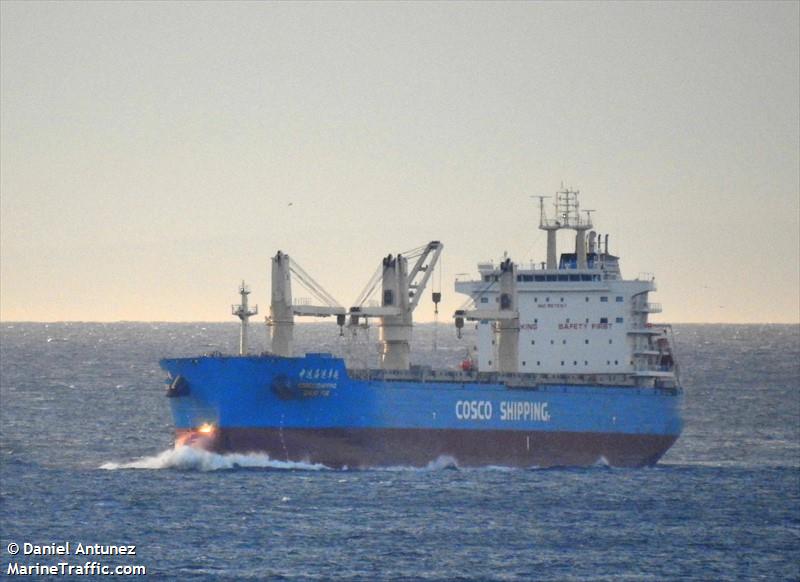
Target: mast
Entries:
(243, 312)
(551, 226)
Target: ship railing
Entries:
(521, 381)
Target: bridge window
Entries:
(620, 299)
(551, 278)
(604, 299)
(484, 300)
(574, 277)
(527, 278)
(539, 277)
(586, 277)
(619, 320)
(603, 320)
(563, 278)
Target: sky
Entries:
(152, 155)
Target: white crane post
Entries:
(508, 329)
(281, 314)
(243, 312)
(395, 330)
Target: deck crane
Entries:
(283, 310)
(506, 315)
(401, 292)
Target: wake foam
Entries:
(189, 458)
(186, 458)
(441, 463)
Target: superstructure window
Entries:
(563, 278)
(620, 299)
(603, 320)
(484, 300)
(538, 363)
(487, 278)
(539, 278)
(604, 299)
(587, 300)
(619, 320)
(586, 341)
(564, 342)
(533, 342)
(574, 277)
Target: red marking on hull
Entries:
(361, 448)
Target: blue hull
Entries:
(310, 409)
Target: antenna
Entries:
(243, 312)
(542, 218)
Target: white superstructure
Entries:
(575, 317)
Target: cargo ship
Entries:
(566, 370)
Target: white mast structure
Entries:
(283, 310)
(401, 292)
(567, 215)
(243, 312)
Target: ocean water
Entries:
(86, 457)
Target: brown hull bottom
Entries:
(361, 448)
